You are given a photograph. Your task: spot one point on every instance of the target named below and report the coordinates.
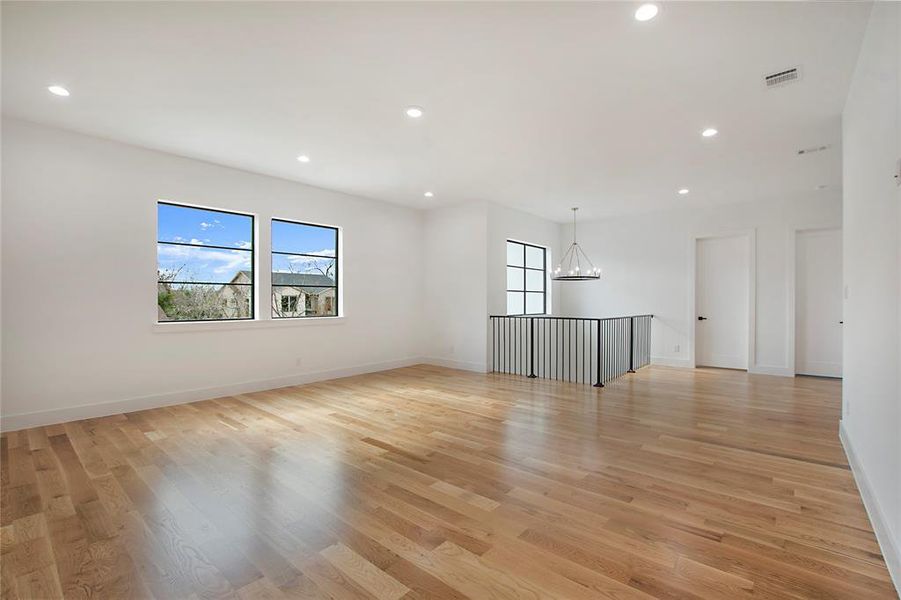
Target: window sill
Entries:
(189, 326)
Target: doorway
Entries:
(722, 292)
(818, 302)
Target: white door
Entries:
(721, 302)
(818, 303)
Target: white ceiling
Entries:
(539, 106)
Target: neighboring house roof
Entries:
(302, 280)
(311, 283)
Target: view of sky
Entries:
(233, 234)
(305, 239)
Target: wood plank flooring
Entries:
(425, 482)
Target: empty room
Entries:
(448, 300)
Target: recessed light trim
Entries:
(646, 12)
(303, 158)
(58, 90)
(709, 132)
(414, 112)
(683, 191)
(428, 194)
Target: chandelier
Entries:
(575, 264)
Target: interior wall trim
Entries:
(666, 361)
(780, 371)
(891, 548)
(456, 364)
(104, 409)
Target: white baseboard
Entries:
(103, 409)
(683, 363)
(891, 548)
(455, 364)
(771, 370)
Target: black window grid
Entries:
(525, 269)
(251, 250)
(335, 258)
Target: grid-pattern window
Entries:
(205, 263)
(526, 279)
(304, 263)
(289, 303)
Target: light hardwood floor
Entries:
(430, 483)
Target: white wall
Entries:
(466, 276)
(647, 268)
(455, 279)
(79, 259)
(79, 218)
(871, 424)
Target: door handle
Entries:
(702, 318)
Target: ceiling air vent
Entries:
(782, 77)
(813, 149)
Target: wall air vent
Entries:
(781, 78)
(813, 149)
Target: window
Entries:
(204, 264)
(304, 260)
(526, 279)
(289, 304)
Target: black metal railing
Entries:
(578, 349)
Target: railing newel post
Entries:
(532, 374)
(598, 382)
(631, 345)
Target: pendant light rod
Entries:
(574, 209)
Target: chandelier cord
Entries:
(574, 225)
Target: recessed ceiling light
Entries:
(428, 194)
(683, 191)
(414, 112)
(58, 90)
(709, 132)
(646, 12)
(303, 158)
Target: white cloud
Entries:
(196, 241)
(215, 223)
(245, 245)
(219, 261)
(235, 261)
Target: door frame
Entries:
(791, 284)
(751, 236)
